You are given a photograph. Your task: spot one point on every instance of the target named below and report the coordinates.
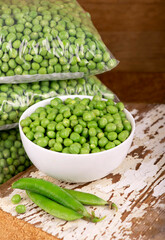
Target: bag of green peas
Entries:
(49, 40)
(16, 98)
(13, 158)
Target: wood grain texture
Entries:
(137, 186)
(133, 30)
(136, 87)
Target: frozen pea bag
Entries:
(16, 98)
(49, 40)
(13, 158)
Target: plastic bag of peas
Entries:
(13, 158)
(16, 98)
(49, 40)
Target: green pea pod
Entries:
(53, 208)
(90, 199)
(53, 192)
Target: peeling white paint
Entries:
(159, 189)
(135, 180)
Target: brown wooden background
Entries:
(134, 30)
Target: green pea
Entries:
(92, 124)
(51, 143)
(74, 122)
(120, 106)
(38, 58)
(122, 136)
(102, 122)
(100, 135)
(75, 137)
(110, 127)
(20, 209)
(109, 118)
(59, 118)
(112, 109)
(18, 70)
(74, 149)
(59, 126)
(58, 147)
(117, 142)
(4, 67)
(84, 151)
(82, 123)
(64, 133)
(88, 116)
(127, 125)
(119, 127)
(12, 169)
(78, 128)
(122, 114)
(51, 134)
(68, 142)
(39, 129)
(112, 136)
(16, 199)
(44, 122)
(42, 142)
(92, 132)
(95, 150)
(103, 141)
(16, 44)
(109, 145)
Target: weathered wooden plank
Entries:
(137, 51)
(127, 17)
(133, 30)
(137, 186)
(136, 87)
(136, 45)
(86, 2)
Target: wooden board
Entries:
(134, 30)
(136, 87)
(137, 186)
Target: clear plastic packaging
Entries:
(13, 158)
(49, 40)
(16, 98)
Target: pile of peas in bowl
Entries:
(78, 126)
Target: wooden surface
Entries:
(134, 30)
(137, 186)
(136, 87)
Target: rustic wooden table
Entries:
(137, 187)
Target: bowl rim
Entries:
(69, 154)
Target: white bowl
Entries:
(75, 167)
